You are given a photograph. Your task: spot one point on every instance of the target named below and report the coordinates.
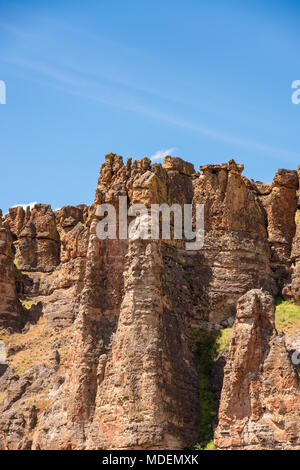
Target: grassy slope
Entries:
(287, 316)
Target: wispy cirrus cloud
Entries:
(92, 90)
(51, 72)
(10, 28)
(160, 154)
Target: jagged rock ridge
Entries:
(117, 315)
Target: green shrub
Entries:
(208, 347)
(209, 446)
(287, 315)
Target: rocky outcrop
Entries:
(130, 368)
(292, 290)
(10, 308)
(36, 236)
(50, 250)
(109, 324)
(259, 407)
(18, 413)
(281, 205)
(236, 253)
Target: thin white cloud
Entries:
(160, 154)
(17, 31)
(50, 72)
(30, 204)
(127, 103)
(268, 151)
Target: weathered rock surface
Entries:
(37, 237)
(236, 254)
(50, 251)
(131, 367)
(106, 324)
(292, 290)
(259, 407)
(281, 205)
(10, 308)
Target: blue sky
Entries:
(209, 80)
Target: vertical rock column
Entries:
(292, 290)
(133, 383)
(259, 407)
(10, 309)
(281, 205)
(131, 380)
(147, 393)
(236, 255)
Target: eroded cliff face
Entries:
(106, 356)
(292, 289)
(9, 305)
(236, 254)
(281, 206)
(259, 407)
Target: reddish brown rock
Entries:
(18, 417)
(124, 292)
(178, 165)
(292, 290)
(10, 309)
(15, 219)
(281, 205)
(36, 244)
(259, 407)
(262, 188)
(235, 256)
(129, 379)
(68, 216)
(59, 291)
(54, 243)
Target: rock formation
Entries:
(281, 205)
(236, 253)
(109, 325)
(50, 251)
(10, 309)
(259, 407)
(292, 290)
